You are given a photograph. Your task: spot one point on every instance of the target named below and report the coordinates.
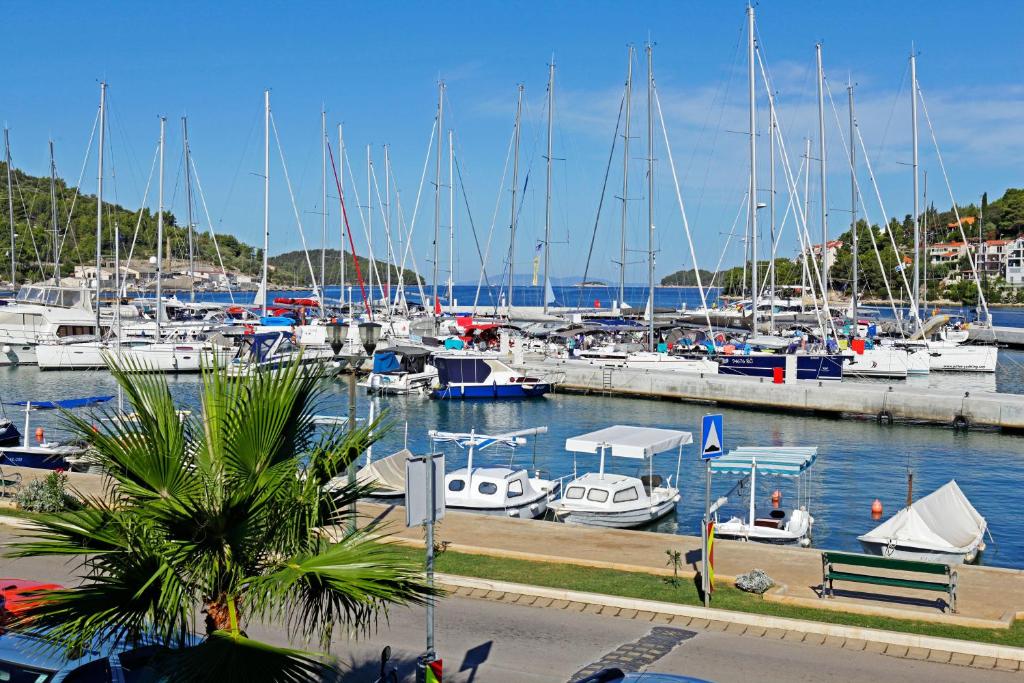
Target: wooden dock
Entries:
(883, 402)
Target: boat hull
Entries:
(490, 391)
(808, 367)
(921, 555)
(526, 510)
(617, 520)
(26, 457)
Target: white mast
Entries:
(10, 202)
(853, 210)
(323, 202)
(387, 224)
(266, 195)
(341, 184)
(547, 201)
(99, 199)
(914, 307)
(805, 276)
(369, 220)
(625, 180)
(650, 195)
(515, 187)
(160, 234)
(824, 204)
(773, 127)
(755, 284)
(451, 218)
(53, 218)
(188, 199)
(437, 183)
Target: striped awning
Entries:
(785, 461)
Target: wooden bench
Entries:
(829, 573)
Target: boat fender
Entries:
(884, 417)
(961, 422)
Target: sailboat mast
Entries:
(387, 224)
(341, 184)
(806, 273)
(10, 200)
(755, 284)
(515, 212)
(323, 201)
(99, 198)
(369, 219)
(650, 195)
(53, 218)
(625, 180)
(853, 210)
(915, 308)
(266, 195)
(824, 204)
(451, 218)
(547, 199)
(160, 234)
(188, 200)
(437, 182)
(773, 127)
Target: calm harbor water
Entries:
(858, 461)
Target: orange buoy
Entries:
(40, 434)
(776, 498)
(876, 508)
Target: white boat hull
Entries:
(885, 361)
(921, 555)
(162, 357)
(624, 519)
(949, 357)
(527, 510)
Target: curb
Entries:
(905, 645)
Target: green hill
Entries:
(291, 269)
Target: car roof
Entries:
(32, 649)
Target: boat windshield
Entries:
(19, 673)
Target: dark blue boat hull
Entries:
(9, 435)
(17, 458)
(493, 391)
(811, 367)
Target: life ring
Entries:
(961, 422)
(249, 329)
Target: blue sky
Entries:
(375, 67)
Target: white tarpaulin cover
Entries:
(387, 474)
(944, 520)
(629, 442)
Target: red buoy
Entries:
(876, 508)
(40, 434)
(776, 498)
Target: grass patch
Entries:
(649, 587)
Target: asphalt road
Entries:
(491, 642)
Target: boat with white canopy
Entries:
(495, 490)
(941, 527)
(614, 500)
(50, 455)
(779, 526)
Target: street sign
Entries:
(421, 488)
(711, 437)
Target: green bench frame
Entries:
(829, 574)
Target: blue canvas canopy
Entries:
(385, 361)
(66, 404)
(785, 461)
(263, 343)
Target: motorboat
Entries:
(941, 527)
(42, 314)
(793, 526)
(385, 476)
(175, 356)
(473, 375)
(48, 454)
(615, 356)
(609, 499)
(495, 490)
(9, 434)
(400, 370)
(271, 350)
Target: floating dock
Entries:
(883, 402)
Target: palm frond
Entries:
(226, 657)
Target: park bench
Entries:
(829, 574)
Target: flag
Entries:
(437, 306)
(536, 269)
(711, 557)
(434, 671)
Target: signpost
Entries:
(424, 505)
(711, 440)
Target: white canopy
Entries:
(786, 461)
(387, 474)
(629, 442)
(944, 520)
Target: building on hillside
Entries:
(993, 258)
(1015, 262)
(833, 247)
(947, 252)
(966, 221)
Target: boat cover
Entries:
(785, 461)
(386, 474)
(462, 369)
(66, 404)
(385, 361)
(942, 521)
(627, 441)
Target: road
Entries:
(491, 642)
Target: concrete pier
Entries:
(884, 402)
(1011, 337)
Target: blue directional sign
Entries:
(711, 437)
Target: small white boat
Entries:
(941, 527)
(614, 356)
(49, 455)
(400, 370)
(779, 525)
(495, 490)
(386, 475)
(271, 350)
(616, 500)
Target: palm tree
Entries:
(222, 516)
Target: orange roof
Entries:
(907, 259)
(966, 220)
(947, 245)
(997, 243)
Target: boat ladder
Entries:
(606, 379)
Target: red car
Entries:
(16, 595)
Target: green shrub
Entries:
(45, 495)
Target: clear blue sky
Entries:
(375, 67)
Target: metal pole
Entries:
(771, 201)
(853, 212)
(53, 218)
(323, 203)
(430, 655)
(515, 188)
(437, 181)
(650, 195)
(341, 218)
(160, 235)
(387, 225)
(547, 200)
(451, 218)
(369, 221)
(755, 284)
(705, 583)
(10, 204)
(188, 199)
(915, 310)
(99, 200)
(809, 254)
(266, 193)
(824, 204)
(351, 473)
(625, 180)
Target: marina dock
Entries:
(883, 402)
(1010, 337)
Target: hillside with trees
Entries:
(291, 269)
